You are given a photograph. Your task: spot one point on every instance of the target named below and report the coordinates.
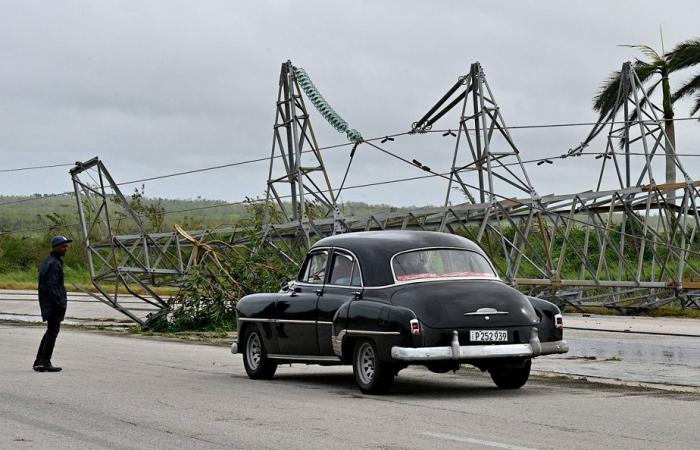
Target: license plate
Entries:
(488, 335)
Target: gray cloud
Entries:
(160, 86)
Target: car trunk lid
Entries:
(466, 304)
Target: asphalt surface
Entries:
(120, 392)
(663, 352)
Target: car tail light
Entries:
(415, 327)
(559, 321)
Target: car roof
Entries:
(374, 249)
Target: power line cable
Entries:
(379, 183)
(512, 127)
(19, 169)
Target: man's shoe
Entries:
(39, 367)
(49, 368)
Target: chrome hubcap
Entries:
(365, 363)
(253, 351)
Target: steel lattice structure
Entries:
(630, 245)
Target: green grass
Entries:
(27, 280)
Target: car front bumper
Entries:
(455, 351)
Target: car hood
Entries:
(447, 304)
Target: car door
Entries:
(343, 285)
(296, 310)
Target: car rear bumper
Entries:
(455, 351)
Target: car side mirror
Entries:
(284, 286)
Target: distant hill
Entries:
(38, 212)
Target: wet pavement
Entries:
(628, 357)
(633, 324)
(23, 306)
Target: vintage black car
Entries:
(384, 300)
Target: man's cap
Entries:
(58, 240)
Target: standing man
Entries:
(53, 301)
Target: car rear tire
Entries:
(509, 377)
(257, 365)
(371, 375)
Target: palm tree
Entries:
(687, 54)
(653, 72)
(658, 66)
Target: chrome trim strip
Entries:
(304, 357)
(477, 313)
(293, 321)
(360, 332)
(252, 319)
(429, 280)
(343, 287)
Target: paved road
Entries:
(642, 356)
(118, 392)
(23, 305)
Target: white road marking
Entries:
(452, 437)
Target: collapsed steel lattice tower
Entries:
(297, 174)
(626, 245)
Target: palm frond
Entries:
(604, 101)
(688, 88)
(696, 107)
(646, 50)
(645, 70)
(685, 54)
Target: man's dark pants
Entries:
(43, 356)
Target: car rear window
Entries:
(440, 263)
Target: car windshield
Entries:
(441, 263)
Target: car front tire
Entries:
(371, 375)
(508, 377)
(257, 365)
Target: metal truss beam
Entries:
(629, 245)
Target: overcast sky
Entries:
(153, 87)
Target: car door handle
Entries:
(319, 291)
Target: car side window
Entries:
(315, 268)
(344, 271)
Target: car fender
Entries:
(547, 313)
(385, 324)
(258, 310)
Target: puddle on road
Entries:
(628, 357)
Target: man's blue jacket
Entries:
(52, 293)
